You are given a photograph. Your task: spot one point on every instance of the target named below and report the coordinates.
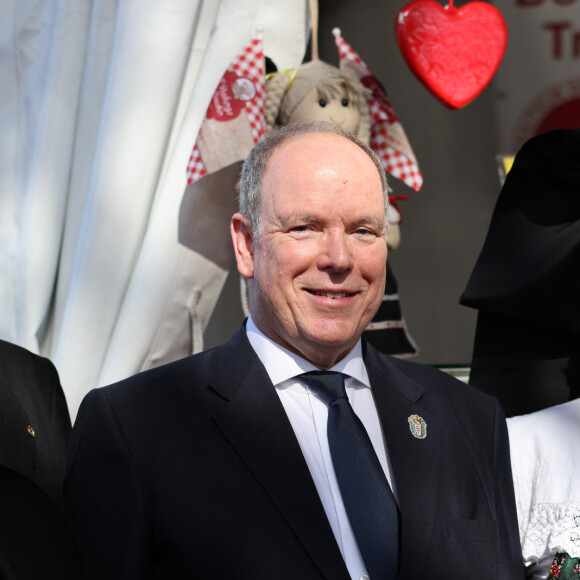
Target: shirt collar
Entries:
(281, 364)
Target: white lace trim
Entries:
(552, 528)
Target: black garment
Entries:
(36, 542)
(35, 539)
(526, 282)
(34, 420)
(387, 331)
(525, 366)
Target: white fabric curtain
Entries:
(100, 106)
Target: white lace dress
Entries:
(545, 452)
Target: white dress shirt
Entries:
(308, 415)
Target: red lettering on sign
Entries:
(576, 45)
(560, 34)
(224, 106)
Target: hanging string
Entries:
(313, 4)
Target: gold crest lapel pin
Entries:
(417, 426)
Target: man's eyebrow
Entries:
(377, 221)
(298, 217)
(370, 219)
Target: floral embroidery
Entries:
(565, 568)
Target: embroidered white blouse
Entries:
(545, 454)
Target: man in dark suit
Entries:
(238, 462)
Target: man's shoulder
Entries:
(15, 358)
(15, 350)
(472, 415)
(31, 378)
(433, 381)
(189, 375)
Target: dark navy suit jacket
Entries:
(192, 470)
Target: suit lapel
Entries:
(251, 416)
(415, 462)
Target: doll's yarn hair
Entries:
(284, 93)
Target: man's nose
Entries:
(335, 252)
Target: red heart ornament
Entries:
(453, 51)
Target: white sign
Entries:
(537, 86)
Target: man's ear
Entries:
(243, 241)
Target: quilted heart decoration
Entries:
(453, 51)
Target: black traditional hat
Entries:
(529, 267)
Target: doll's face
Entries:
(338, 111)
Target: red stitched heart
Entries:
(453, 51)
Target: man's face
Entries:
(319, 262)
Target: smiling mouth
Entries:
(333, 295)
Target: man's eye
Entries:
(322, 103)
(299, 228)
(344, 102)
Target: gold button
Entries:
(31, 431)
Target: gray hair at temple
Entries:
(250, 185)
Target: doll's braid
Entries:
(364, 124)
(275, 90)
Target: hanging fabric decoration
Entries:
(234, 120)
(453, 52)
(388, 138)
(233, 124)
